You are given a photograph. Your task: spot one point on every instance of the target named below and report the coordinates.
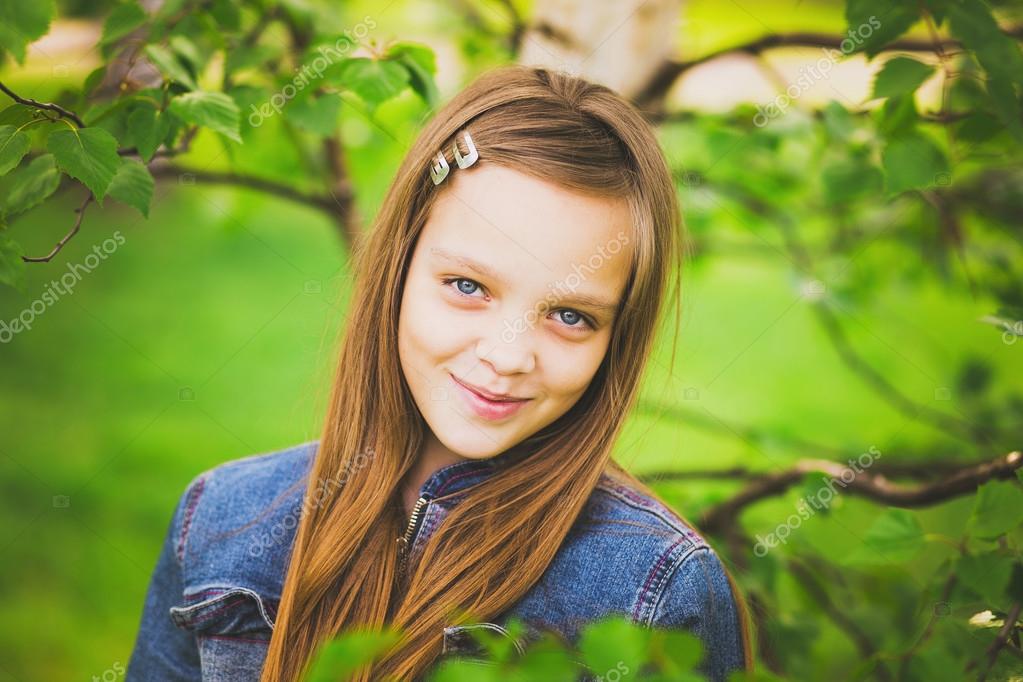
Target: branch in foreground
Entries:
(916, 470)
(45, 106)
(60, 245)
(863, 484)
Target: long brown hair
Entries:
(344, 566)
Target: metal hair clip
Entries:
(440, 169)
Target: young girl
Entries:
(504, 308)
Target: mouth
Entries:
(488, 407)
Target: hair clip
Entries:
(440, 169)
(470, 158)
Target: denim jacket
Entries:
(212, 600)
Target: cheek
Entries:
(425, 328)
(569, 373)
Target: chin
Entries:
(465, 441)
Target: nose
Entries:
(507, 353)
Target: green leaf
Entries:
(898, 115)
(14, 145)
(31, 185)
(894, 537)
(133, 185)
(838, 121)
(22, 22)
(977, 127)
(422, 65)
(337, 659)
(168, 64)
(997, 509)
(458, 670)
(676, 651)
(88, 154)
(247, 57)
(16, 115)
(986, 574)
(12, 268)
(226, 14)
(912, 161)
(187, 50)
(606, 644)
(1006, 106)
(899, 76)
(214, 110)
(148, 128)
(317, 114)
(875, 23)
(973, 23)
(375, 81)
(850, 178)
(546, 659)
(122, 21)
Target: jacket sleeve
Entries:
(698, 597)
(162, 650)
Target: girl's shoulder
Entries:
(236, 521)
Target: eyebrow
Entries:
(581, 299)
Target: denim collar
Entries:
(452, 478)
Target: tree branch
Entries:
(341, 190)
(60, 245)
(915, 470)
(665, 76)
(47, 106)
(169, 170)
(863, 484)
(518, 27)
(1001, 640)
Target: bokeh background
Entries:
(843, 293)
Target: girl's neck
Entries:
(433, 456)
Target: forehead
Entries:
(530, 230)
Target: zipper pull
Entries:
(405, 541)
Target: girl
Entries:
(504, 308)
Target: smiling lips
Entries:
(488, 408)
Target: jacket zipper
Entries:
(406, 540)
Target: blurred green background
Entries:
(209, 335)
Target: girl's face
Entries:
(511, 291)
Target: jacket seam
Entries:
(657, 578)
(705, 551)
(681, 528)
(191, 502)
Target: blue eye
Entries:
(472, 286)
(468, 290)
(570, 318)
